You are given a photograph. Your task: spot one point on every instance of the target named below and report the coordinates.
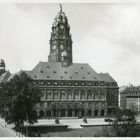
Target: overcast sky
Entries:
(107, 36)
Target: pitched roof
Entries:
(4, 77)
(106, 77)
(55, 71)
(17, 73)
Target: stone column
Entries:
(99, 112)
(37, 112)
(52, 94)
(105, 112)
(66, 113)
(45, 113)
(59, 113)
(73, 113)
(80, 113)
(79, 95)
(92, 113)
(52, 113)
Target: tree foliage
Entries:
(17, 100)
(124, 125)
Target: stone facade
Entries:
(130, 98)
(71, 89)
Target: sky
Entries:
(105, 35)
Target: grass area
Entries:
(82, 132)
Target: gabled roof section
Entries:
(55, 71)
(106, 77)
(18, 73)
(4, 77)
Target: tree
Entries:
(124, 125)
(17, 100)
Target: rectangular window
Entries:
(69, 95)
(96, 96)
(43, 96)
(49, 94)
(63, 95)
(55, 95)
(76, 96)
(89, 95)
(102, 96)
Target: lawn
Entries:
(81, 132)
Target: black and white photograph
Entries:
(69, 69)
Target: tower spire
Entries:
(60, 7)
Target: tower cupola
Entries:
(60, 41)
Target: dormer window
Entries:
(48, 83)
(62, 83)
(35, 76)
(41, 82)
(55, 83)
(70, 77)
(41, 71)
(76, 84)
(82, 84)
(48, 76)
(76, 72)
(54, 71)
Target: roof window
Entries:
(76, 72)
(65, 72)
(48, 76)
(54, 71)
(41, 71)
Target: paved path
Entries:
(6, 130)
(73, 123)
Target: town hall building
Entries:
(71, 89)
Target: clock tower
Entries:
(60, 41)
